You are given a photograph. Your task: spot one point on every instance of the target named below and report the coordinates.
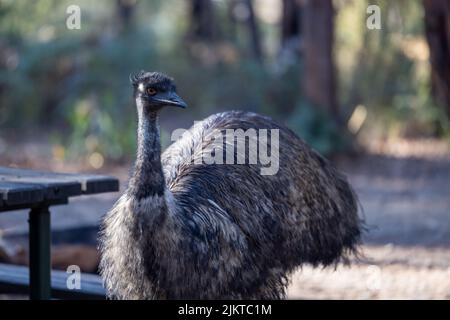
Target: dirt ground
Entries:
(404, 190)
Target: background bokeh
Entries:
(72, 85)
(375, 101)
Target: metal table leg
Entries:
(39, 237)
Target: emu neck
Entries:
(148, 179)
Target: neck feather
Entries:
(148, 178)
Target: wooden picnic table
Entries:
(38, 191)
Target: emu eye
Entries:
(151, 91)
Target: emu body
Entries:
(220, 231)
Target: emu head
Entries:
(155, 90)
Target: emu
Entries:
(186, 230)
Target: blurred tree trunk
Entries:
(290, 23)
(125, 11)
(254, 31)
(318, 36)
(202, 20)
(437, 29)
(242, 12)
(232, 19)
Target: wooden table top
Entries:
(23, 188)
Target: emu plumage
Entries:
(220, 231)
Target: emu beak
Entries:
(172, 99)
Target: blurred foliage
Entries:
(74, 83)
(388, 70)
(317, 128)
